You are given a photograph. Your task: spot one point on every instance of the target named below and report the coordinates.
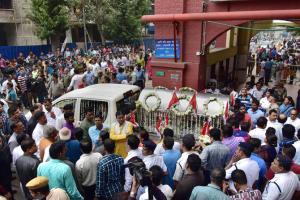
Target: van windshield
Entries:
(127, 104)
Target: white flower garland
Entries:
(211, 99)
(181, 113)
(183, 89)
(156, 106)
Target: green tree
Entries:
(50, 17)
(116, 19)
(126, 24)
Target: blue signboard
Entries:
(165, 48)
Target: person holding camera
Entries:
(132, 144)
(157, 174)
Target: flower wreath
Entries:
(188, 89)
(157, 105)
(211, 99)
(175, 110)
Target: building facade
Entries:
(196, 62)
(15, 26)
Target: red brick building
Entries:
(193, 24)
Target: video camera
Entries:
(138, 169)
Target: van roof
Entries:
(105, 91)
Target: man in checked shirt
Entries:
(110, 173)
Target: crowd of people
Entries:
(34, 78)
(279, 62)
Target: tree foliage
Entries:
(50, 17)
(125, 24)
(115, 19)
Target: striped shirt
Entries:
(110, 174)
(22, 83)
(247, 194)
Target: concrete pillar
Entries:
(242, 55)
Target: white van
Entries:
(104, 98)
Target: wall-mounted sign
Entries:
(165, 48)
(160, 73)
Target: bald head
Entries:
(282, 118)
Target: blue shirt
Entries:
(73, 150)
(11, 95)
(94, 133)
(89, 77)
(121, 77)
(284, 142)
(170, 158)
(285, 109)
(262, 167)
(240, 133)
(60, 176)
(255, 115)
(268, 65)
(140, 75)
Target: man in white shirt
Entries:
(68, 53)
(76, 80)
(18, 152)
(257, 91)
(38, 131)
(103, 65)
(260, 131)
(294, 120)
(159, 150)
(272, 122)
(132, 145)
(188, 142)
(86, 168)
(150, 159)
(52, 113)
(95, 67)
(4, 84)
(18, 129)
(241, 160)
(285, 182)
(264, 102)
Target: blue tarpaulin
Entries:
(10, 52)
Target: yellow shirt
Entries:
(119, 135)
